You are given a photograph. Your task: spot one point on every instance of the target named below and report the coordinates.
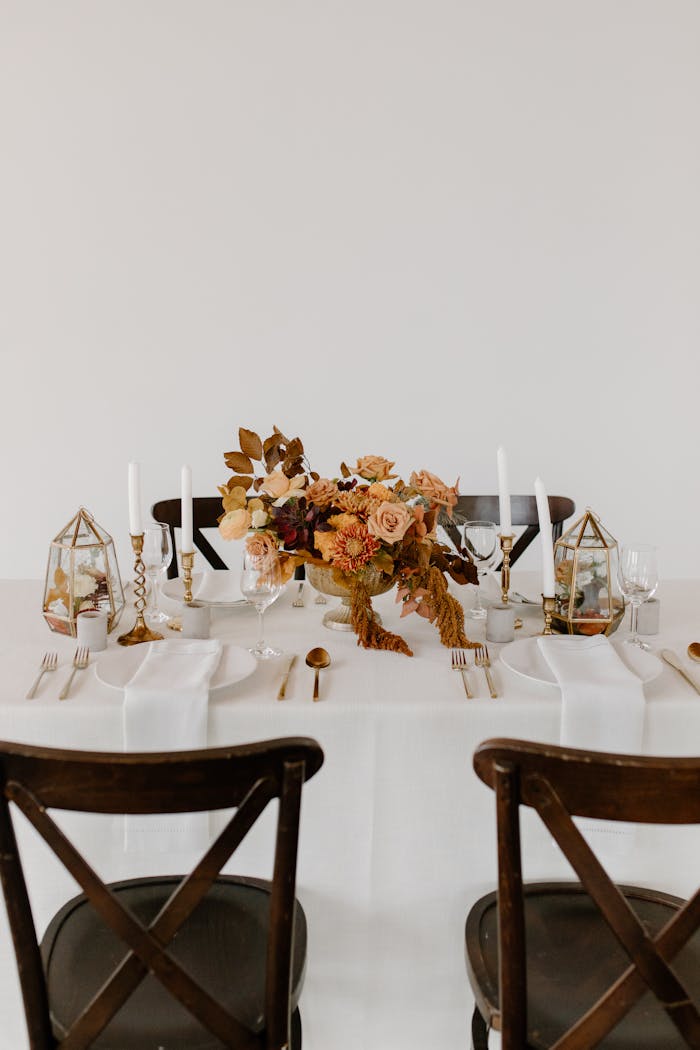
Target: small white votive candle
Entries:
(91, 627)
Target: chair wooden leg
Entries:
(295, 1041)
(480, 1032)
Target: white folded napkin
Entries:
(602, 701)
(166, 709)
(602, 709)
(218, 586)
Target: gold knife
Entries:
(670, 657)
(283, 684)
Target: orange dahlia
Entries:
(353, 548)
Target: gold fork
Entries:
(481, 655)
(298, 602)
(80, 662)
(49, 663)
(459, 663)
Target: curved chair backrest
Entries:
(246, 777)
(206, 511)
(523, 512)
(561, 783)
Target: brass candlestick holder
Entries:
(548, 606)
(506, 548)
(139, 632)
(187, 562)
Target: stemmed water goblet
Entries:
(261, 585)
(156, 555)
(638, 576)
(481, 541)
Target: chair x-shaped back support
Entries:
(516, 784)
(147, 944)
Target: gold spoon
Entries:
(694, 650)
(317, 658)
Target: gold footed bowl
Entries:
(327, 582)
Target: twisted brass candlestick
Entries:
(506, 548)
(139, 632)
(548, 606)
(187, 561)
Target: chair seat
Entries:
(222, 945)
(572, 958)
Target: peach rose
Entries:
(278, 484)
(322, 492)
(390, 521)
(261, 545)
(235, 524)
(434, 489)
(374, 468)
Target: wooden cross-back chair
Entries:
(523, 512)
(579, 965)
(199, 961)
(206, 511)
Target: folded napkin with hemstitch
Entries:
(166, 706)
(602, 709)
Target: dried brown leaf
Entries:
(272, 458)
(292, 466)
(345, 470)
(250, 443)
(294, 449)
(239, 482)
(239, 462)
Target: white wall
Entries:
(415, 229)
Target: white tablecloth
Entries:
(398, 834)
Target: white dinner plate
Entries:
(220, 588)
(525, 658)
(116, 667)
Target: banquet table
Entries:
(397, 833)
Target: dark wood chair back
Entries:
(523, 511)
(245, 777)
(206, 511)
(562, 783)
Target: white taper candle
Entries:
(135, 527)
(503, 492)
(186, 510)
(546, 539)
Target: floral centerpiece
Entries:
(367, 519)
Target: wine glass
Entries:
(638, 577)
(156, 555)
(481, 541)
(261, 585)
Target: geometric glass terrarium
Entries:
(82, 573)
(586, 592)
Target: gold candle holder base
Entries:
(506, 548)
(187, 561)
(548, 606)
(140, 632)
